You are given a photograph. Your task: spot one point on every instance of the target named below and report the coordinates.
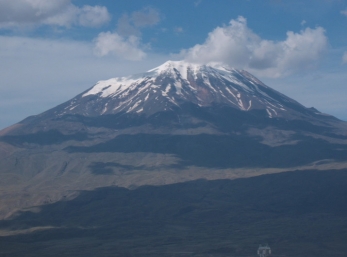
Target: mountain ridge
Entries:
(195, 122)
(175, 83)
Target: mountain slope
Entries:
(177, 122)
(300, 213)
(173, 84)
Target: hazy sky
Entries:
(52, 50)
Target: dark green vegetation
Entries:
(299, 213)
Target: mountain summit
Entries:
(180, 121)
(175, 83)
(171, 91)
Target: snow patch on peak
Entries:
(221, 67)
(181, 66)
(208, 83)
(114, 86)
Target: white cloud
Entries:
(344, 58)
(126, 41)
(238, 46)
(126, 48)
(21, 13)
(146, 17)
(131, 24)
(63, 18)
(344, 12)
(93, 16)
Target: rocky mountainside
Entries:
(174, 83)
(173, 86)
(177, 122)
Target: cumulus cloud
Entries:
(238, 46)
(344, 58)
(93, 16)
(112, 43)
(53, 12)
(146, 17)
(125, 42)
(131, 24)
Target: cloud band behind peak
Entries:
(238, 46)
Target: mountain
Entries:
(172, 87)
(174, 83)
(182, 160)
(177, 122)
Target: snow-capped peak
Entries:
(116, 86)
(175, 82)
(181, 66)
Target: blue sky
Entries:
(52, 50)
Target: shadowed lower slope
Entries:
(298, 213)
